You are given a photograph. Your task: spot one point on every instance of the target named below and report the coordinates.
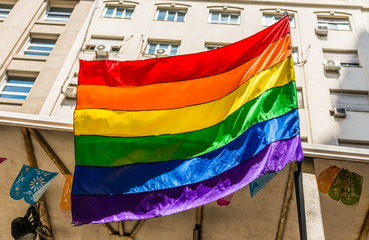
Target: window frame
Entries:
(213, 46)
(167, 10)
(22, 95)
(158, 43)
(114, 14)
(58, 14)
(220, 12)
(323, 21)
(291, 18)
(4, 11)
(30, 44)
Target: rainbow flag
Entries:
(159, 136)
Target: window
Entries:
(300, 98)
(170, 15)
(162, 48)
(39, 47)
(334, 23)
(58, 14)
(16, 87)
(346, 59)
(270, 19)
(295, 55)
(224, 17)
(5, 10)
(350, 101)
(118, 12)
(210, 46)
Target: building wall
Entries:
(319, 92)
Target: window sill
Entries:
(46, 22)
(169, 21)
(228, 24)
(30, 58)
(11, 101)
(116, 18)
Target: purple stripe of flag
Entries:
(135, 206)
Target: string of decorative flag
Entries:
(31, 183)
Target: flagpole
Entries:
(300, 202)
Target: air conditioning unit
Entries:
(332, 65)
(162, 52)
(339, 112)
(321, 30)
(101, 51)
(71, 92)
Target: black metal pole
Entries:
(300, 202)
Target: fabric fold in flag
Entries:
(160, 136)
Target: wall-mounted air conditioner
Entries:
(332, 65)
(101, 51)
(339, 112)
(321, 30)
(162, 52)
(71, 92)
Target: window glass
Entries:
(224, 17)
(5, 10)
(109, 11)
(16, 87)
(181, 16)
(118, 12)
(165, 48)
(58, 14)
(341, 24)
(270, 19)
(170, 15)
(39, 47)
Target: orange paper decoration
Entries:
(326, 178)
(65, 199)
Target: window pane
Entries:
(129, 12)
(343, 26)
(161, 15)
(163, 46)
(268, 20)
(11, 90)
(17, 89)
(119, 12)
(181, 16)
(215, 17)
(58, 14)
(235, 19)
(152, 48)
(109, 11)
(5, 10)
(66, 11)
(174, 50)
(224, 18)
(39, 47)
(171, 15)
